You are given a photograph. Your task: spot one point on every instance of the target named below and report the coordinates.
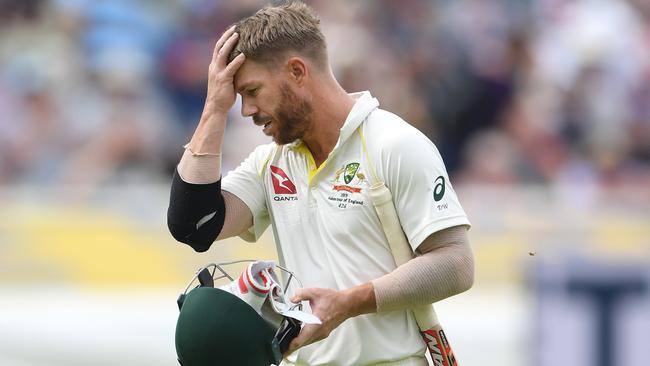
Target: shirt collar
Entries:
(365, 103)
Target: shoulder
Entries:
(262, 152)
(388, 133)
(256, 160)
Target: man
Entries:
(311, 184)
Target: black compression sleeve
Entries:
(190, 207)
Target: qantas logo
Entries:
(281, 183)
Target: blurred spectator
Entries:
(535, 91)
(75, 118)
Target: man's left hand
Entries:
(332, 307)
(328, 305)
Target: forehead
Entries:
(252, 72)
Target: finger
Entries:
(222, 55)
(302, 295)
(232, 67)
(297, 296)
(293, 346)
(224, 37)
(303, 338)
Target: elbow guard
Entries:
(196, 212)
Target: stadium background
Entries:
(541, 109)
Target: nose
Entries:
(248, 109)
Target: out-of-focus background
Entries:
(540, 108)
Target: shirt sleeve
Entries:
(247, 183)
(415, 173)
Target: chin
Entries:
(281, 141)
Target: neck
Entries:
(331, 106)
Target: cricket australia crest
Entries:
(347, 185)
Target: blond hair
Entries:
(275, 30)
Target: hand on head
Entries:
(221, 90)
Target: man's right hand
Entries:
(221, 90)
(220, 97)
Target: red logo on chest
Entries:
(281, 183)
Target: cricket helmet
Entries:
(216, 327)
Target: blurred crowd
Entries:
(511, 91)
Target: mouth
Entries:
(267, 127)
(262, 121)
(265, 123)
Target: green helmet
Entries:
(215, 327)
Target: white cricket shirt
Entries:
(328, 233)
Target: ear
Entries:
(297, 70)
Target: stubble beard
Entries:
(294, 116)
